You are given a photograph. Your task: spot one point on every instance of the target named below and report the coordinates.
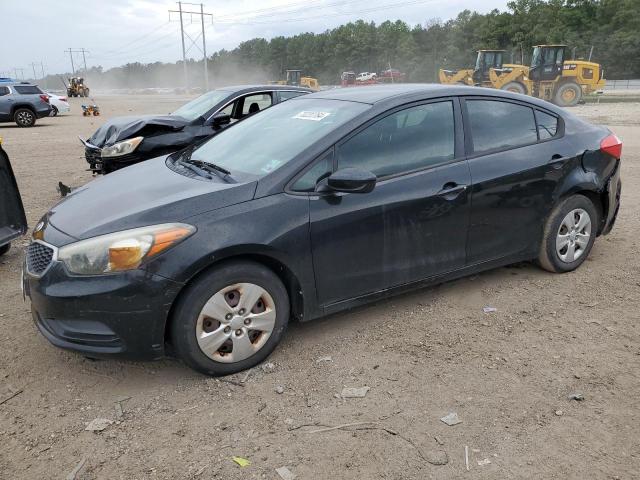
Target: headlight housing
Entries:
(121, 251)
(122, 148)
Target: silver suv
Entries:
(23, 103)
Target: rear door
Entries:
(413, 225)
(514, 172)
(13, 222)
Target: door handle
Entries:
(451, 190)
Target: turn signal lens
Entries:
(612, 145)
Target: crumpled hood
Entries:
(120, 128)
(147, 193)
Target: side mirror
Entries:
(220, 119)
(350, 180)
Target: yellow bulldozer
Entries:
(295, 78)
(550, 76)
(479, 75)
(77, 88)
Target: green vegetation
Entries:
(612, 27)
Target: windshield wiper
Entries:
(203, 168)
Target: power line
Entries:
(254, 14)
(337, 14)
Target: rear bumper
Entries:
(614, 191)
(121, 315)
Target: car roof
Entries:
(13, 83)
(396, 93)
(251, 88)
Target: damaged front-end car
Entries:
(125, 141)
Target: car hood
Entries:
(120, 128)
(147, 193)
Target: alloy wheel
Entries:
(25, 118)
(236, 322)
(573, 235)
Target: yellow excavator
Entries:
(295, 78)
(479, 75)
(550, 76)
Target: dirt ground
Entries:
(506, 374)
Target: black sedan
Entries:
(323, 203)
(123, 141)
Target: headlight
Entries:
(120, 251)
(122, 148)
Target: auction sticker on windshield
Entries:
(314, 116)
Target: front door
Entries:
(413, 225)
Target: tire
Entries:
(24, 117)
(568, 95)
(222, 290)
(4, 249)
(515, 87)
(558, 241)
(55, 111)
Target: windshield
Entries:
(260, 144)
(201, 105)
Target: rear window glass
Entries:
(498, 125)
(547, 125)
(27, 89)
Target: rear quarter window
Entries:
(27, 89)
(547, 125)
(499, 125)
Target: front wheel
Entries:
(569, 235)
(230, 319)
(515, 87)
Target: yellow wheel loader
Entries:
(550, 76)
(77, 88)
(479, 75)
(295, 78)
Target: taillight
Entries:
(45, 98)
(63, 99)
(611, 145)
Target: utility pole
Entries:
(33, 65)
(73, 68)
(204, 50)
(202, 14)
(15, 70)
(84, 61)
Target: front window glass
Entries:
(404, 141)
(256, 103)
(200, 106)
(263, 143)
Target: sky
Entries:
(116, 32)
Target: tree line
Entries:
(608, 29)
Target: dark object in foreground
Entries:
(124, 141)
(13, 222)
(323, 203)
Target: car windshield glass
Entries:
(262, 143)
(201, 105)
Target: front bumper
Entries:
(121, 315)
(100, 165)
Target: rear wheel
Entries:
(24, 117)
(4, 249)
(569, 235)
(230, 319)
(568, 95)
(515, 87)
